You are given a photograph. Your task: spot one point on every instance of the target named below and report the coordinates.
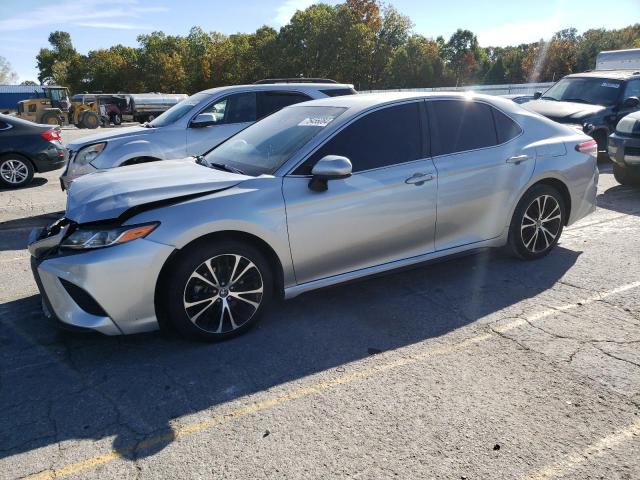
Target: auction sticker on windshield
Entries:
(317, 121)
(610, 85)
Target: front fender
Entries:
(255, 207)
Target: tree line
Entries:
(359, 41)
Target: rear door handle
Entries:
(517, 159)
(419, 178)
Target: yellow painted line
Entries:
(256, 407)
(251, 409)
(601, 447)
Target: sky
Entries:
(26, 24)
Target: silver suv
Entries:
(314, 195)
(193, 126)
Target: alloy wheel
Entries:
(223, 293)
(14, 171)
(541, 223)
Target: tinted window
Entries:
(632, 89)
(385, 137)
(339, 92)
(236, 108)
(460, 125)
(505, 127)
(269, 102)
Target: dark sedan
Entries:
(26, 148)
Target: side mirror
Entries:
(631, 102)
(537, 95)
(203, 120)
(331, 167)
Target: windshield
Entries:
(179, 110)
(264, 146)
(596, 91)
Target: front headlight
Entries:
(89, 154)
(87, 238)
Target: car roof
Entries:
(364, 101)
(16, 121)
(612, 74)
(302, 86)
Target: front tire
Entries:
(218, 290)
(537, 222)
(624, 176)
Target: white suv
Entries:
(193, 126)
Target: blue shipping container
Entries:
(10, 95)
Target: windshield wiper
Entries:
(576, 100)
(225, 167)
(549, 98)
(147, 125)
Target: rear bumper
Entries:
(583, 200)
(118, 281)
(52, 158)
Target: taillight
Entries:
(51, 135)
(589, 147)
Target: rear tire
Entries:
(15, 171)
(537, 222)
(624, 176)
(215, 291)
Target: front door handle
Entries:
(517, 159)
(419, 178)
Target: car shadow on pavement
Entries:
(621, 198)
(36, 182)
(57, 386)
(14, 233)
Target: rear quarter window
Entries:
(506, 128)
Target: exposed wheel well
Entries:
(601, 136)
(270, 254)
(15, 154)
(564, 191)
(137, 160)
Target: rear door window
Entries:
(272, 101)
(460, 125)
(382, 138)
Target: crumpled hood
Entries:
(563, 111)
(106, 195)
(110, 135)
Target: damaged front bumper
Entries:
(110, 290)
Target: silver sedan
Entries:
(314, 195)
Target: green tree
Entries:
(417, 63)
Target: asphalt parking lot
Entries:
(483, 367)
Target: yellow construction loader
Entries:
(55, 108)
